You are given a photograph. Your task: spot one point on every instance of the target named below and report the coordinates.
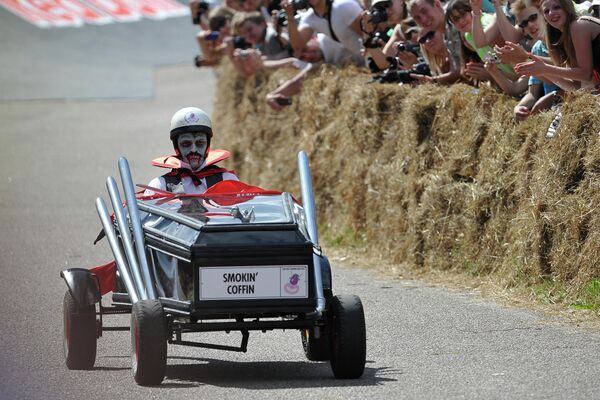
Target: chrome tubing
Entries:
(138, 234)
(308, 203)
(109, 230)
(134, 267)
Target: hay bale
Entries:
(439, 178)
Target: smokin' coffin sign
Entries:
(255, 282)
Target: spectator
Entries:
(396, 13)
(338, 19)
(253, 27)
(458, 13)
(574, 46)
(318, 49)
(436, 55)
(429, 15)
(214, 42)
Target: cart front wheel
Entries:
(315, 349)
(148, 342)
(79, 334)
(348, 337)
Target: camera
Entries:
(413, 48)
(240, 43)
(491, 58)
(202, 8)
(245, 53)
(402, 76)
(372, 42)
(378, 12)
(214, 35)
(297, 4)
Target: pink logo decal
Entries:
(292, 286)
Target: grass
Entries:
(589, 297)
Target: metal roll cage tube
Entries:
(109, 230)
(308, 202)
(117, 205)
(134, 217)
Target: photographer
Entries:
(338, 19)
(385, 15)
(214, 42)
(253, 28)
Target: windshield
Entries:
(229, 209)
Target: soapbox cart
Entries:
(236, 258)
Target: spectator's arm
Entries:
(299, 35)
(448, 77)
(274, 64)
(508, 31)
(389, 50)
(583, 52)
(523, 109)
(379, 57)
(513, 88)
(287, 89)
(390, 47)
(481, 36)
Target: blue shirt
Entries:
(539, 49)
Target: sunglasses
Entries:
(429, 35)
(523, 24)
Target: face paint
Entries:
(192, 147)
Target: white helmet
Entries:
(190, 120)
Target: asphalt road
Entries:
(56, 151)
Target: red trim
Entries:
(106, 275)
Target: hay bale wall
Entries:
(438, 178)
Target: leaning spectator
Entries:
(214, 41)
(458, 13)
(429, 15)
(396, 13)
(318, 49)
(574, 46)
(339, 19)
(254, 29)
(436, 55)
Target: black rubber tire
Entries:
(79, 334)
(347, 336)
(148, 342)
(315, 349)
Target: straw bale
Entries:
(439, 178)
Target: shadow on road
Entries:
(271, 375)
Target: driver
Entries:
(193, 167)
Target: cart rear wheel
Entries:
(79, 334)
(347, 337)
(148, 342)
(315, 349)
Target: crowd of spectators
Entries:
(534, 50)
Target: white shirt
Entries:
(188, 185)
(343, 14)
(336, 54)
